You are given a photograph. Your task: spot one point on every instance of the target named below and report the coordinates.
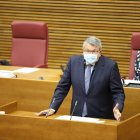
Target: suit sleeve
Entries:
(62, 88)
(116, 88)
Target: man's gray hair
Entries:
(94, 41)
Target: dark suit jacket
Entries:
(104, 92)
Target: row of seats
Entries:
(30, 45)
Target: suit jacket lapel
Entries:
(82, 73)
(97, 69)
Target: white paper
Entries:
(7, 74)
(2, 112)
(131, 81)
(26, 70)
(79, 119)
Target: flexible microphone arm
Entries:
(73, 109)
(62, 68)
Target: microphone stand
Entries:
(73, 110)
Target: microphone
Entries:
(62, 68)
(73, 109)
(123, 80)
(40, 78)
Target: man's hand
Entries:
(117, 113)
(47, 112)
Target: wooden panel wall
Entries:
(71, 21)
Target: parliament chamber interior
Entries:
(37, 38)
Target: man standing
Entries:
(96, 84)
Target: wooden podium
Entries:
(22, 98)
(21, 125)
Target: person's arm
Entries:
(60, 93)
(117, 91)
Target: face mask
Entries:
(90, 58)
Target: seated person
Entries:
(137, 67)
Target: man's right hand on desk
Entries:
(47, 112)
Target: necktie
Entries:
(87, 82)
(87, 77)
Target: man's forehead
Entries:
(91, 47)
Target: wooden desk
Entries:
(21, 98)
(47, 74)
(132, 102)
(37, 94)
(33, 95)
(21, 125)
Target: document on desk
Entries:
(7, 74)
(79, 119)
(26, 70)
(127, 81)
